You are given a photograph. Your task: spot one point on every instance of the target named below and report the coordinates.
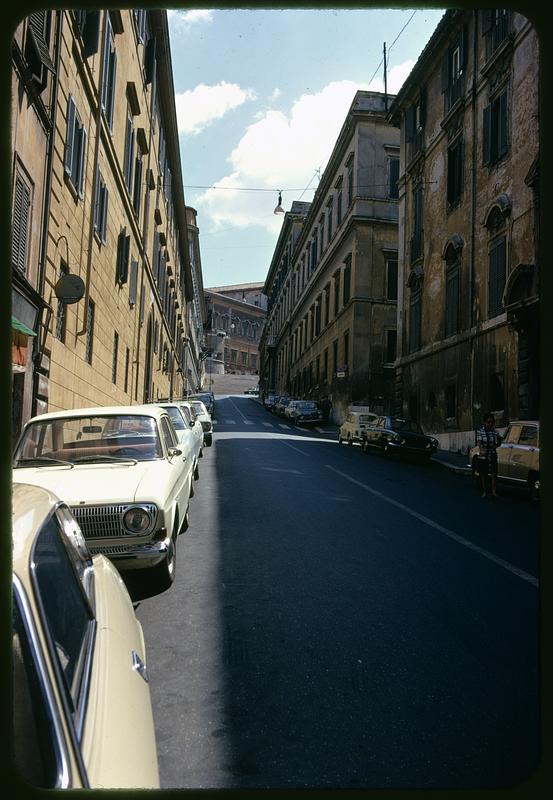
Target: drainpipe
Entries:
(473, 213)
(94, 181)
(46, 213)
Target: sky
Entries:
(261, 96)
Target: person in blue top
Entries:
(488, 440)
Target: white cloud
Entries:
(184, 20)
(199, 107)
(282, 151)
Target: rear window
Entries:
(365, 418)
(176, 418)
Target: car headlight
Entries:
(137, 519)
(396, 438)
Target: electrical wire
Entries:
(393, 43)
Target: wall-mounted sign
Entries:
(69, 289)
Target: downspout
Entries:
(39, 348)
(94, 181)
(473, 216)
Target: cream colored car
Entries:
(357, 420)
(518, 456)
(82, 714)
(126, 479)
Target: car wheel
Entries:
(208, 440)
(340, 440)
(201, 452)
(161, 577)
(196, 472)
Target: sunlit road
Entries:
(341, 620)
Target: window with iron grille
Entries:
(453, 70)
(110, 71)
(115, 355)
(495, 129)
(21, 214)
(89, 341)
(75, 148)
(455, 164)
(452, 293)
(393, 178)
(496, 25)
(497, 276)
(61, 315)
(391, 279)
(415, 314)
(391, 346)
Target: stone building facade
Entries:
(234, 329)
(196, 339)
(113, 214)
(468, 305)
(251, 293)
(332, 282)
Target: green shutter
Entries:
(487, 134)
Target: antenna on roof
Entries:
(385, 81)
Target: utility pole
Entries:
(385, 81)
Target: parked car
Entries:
(195, 426)
(121, 471)
(82, 713)
(281, 404)
(356, 422)
(188, 438)
(304, 411)
(207, 398)
(269, 401)
(518, 456)
(205, 421)
(398, 435)
(254, 390)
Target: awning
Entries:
(19, 326)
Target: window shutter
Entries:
(463, 43)
(91, 32)
(111, 88)
(97, 202)
(107, 55)
(445, 72)
(409, 123)
(487, 143)
(137, 185)
(142, 303)
(150, 59)
(503, 125)
(155, 257)
(22, 202)
(126, 256)
(133, 282)
(70, 137)
(37, 25)
(82, 160)
(422, 106)
(104, 220)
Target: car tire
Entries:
(340, 440)
(201, 452)
(161, 577)
(208, 440)
(196, 471)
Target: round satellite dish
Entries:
(69, 289)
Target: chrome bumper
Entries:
(133, 556)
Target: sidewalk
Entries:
(454, 461)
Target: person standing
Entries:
(488, 440)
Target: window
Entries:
(495, 129)
(415, 308)
(393, 178)
(243, 357)
(318, 315)
(89, 26)
(321, 236)
(89, 341)
(137, 188)
(128, 161)
(75, 149)
(61, 316)
(115, 354)
(100, 208)
(336, 292)
(391, 346)
(495, 25)
(414, 123)
(327, 304)
(455, 162)
(233, 356)
(133, 283)
(110, 69)
(325, 364)
(253, 360)
(123, 251)
(339, 203)
(349, 167)
(453, 71)
(127, 362)
(452, 293)
(142, 303)
(391, 279)
(329, 222)
(36, 51)
(496, 278)
(20, 224)
(346, 348)
(347, 281)
(335, 356)
(416, 239)
(450, 401)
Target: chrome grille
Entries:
(101, 522)
(110, 550)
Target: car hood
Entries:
(95, 483)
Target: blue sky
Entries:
(261, 95)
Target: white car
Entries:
(205, 421)
(82, 712)
(187, 437)
(123, 474)
(194, 424)
(357, 421)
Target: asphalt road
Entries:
(339, 620)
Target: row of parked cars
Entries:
(305, 412)
(518, 455)
(100, 496)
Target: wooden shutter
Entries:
(97, 202)
(487, 139)
(503, 124)
(150, 59)
(137, 192)
(111, 87)
(105, 66)
(91, 32)
(70, 136)
(133, 282)
(20, 224)
(409, 123)
(445, 72)
(81, 138)
(104, 220)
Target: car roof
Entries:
(31, 505)
(151, 410)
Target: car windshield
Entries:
(306, 405)
(365, 418)
(176, 418)
(101, 439)
(199, 407)
(408, 425)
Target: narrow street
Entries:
(342, 620)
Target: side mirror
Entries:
(174, 451)
(192, 423)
